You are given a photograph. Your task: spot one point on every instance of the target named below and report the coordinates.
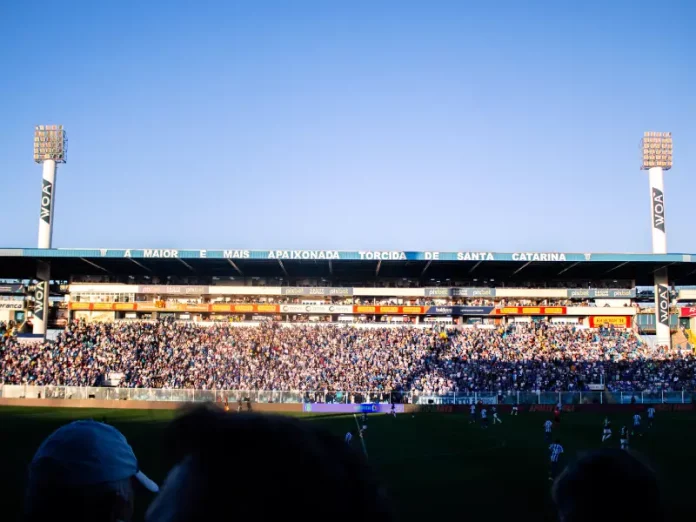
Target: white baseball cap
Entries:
(85, 453)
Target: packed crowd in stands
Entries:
(382, 282)
(340, 300)
(523, 357)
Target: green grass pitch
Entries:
(432, 463)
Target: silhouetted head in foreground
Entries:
(84, 471)
(608, 485)
(275, 467)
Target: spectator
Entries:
(606, 486)
(84, 471)
(316, 476)
(521, 357)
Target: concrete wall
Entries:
(138, 405)
(297, 408)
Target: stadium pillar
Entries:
(50, 146)
(43, 270)
(659, 246)
(48, 186)
(662, 306)
(657, 210)
(41, 293)
(657, 157)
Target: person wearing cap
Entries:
(84, 471)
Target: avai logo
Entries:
(46, 196)
(658, 205)
(39, 293)
(663, 304)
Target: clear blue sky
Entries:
(501, 126)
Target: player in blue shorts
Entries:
(636, 425)
(548, 426)
(624, 438)
(651, 416)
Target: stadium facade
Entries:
(382, 287)
(47, 285)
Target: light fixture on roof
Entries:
(656, 148)
(50, 146)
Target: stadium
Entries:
(427, 345)
(355, 261)
(281, 324)
(455, 292)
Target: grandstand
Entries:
(49, 287)
(384, 287)
(533, 314)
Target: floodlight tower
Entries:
(50, 147)
(657, 157)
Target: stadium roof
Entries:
(21, 263)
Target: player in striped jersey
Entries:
(349, 437)
(484, 417)
(624, 438)
(636, 424)
(548, 426)
(495, 415)
(515, 410)
(606, 434)
(472, 412)
(555, 450)
(651, 416)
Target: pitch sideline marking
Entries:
(361, 435)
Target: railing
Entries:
(9, 391)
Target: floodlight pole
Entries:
(657, 157)
(50, 146)
(48, 186)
